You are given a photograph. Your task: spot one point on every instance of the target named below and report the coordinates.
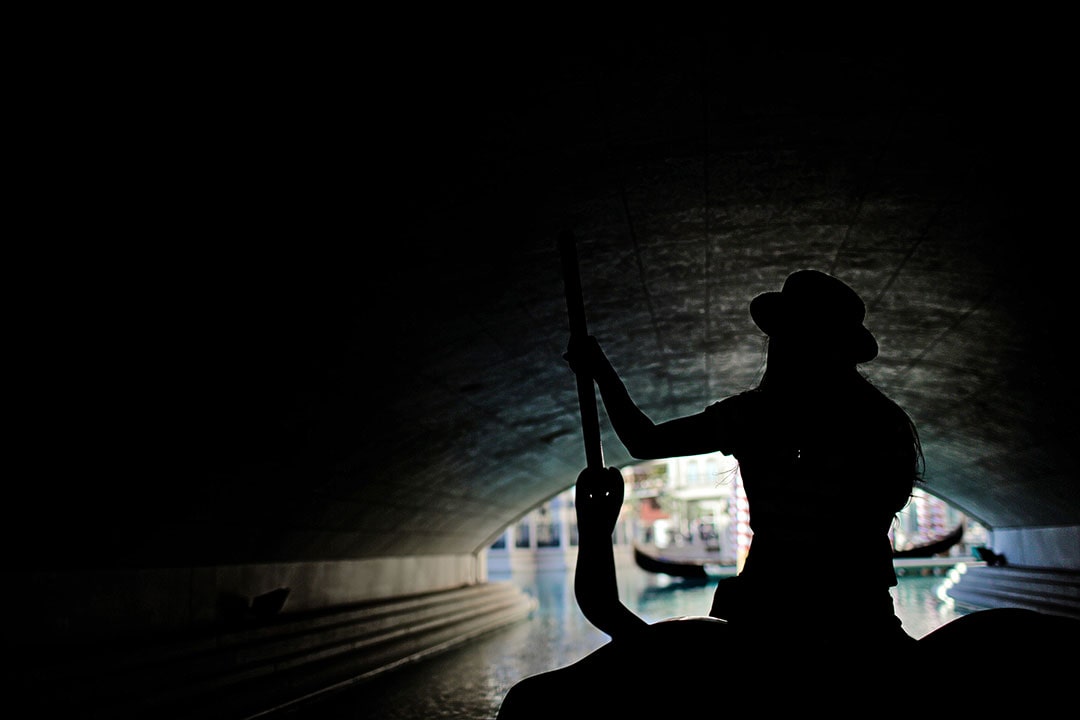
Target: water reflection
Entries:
(470, 682)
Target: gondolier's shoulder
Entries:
(733, 417)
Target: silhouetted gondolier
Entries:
(813, 435)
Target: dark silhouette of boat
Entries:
(701, 568)
(698, 568)
(935, 547)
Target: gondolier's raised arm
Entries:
(643, 438)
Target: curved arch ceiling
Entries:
(340, 332)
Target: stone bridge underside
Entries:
(316, 340)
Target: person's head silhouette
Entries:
(814, 324)
(817, 308)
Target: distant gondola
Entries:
(934, 547)
(701, 567)
(697, 568)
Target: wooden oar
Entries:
(599, 490)
(575, 307)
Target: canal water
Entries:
(471, 681)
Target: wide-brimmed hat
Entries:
(818, 306)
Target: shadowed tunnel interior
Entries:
(313, 312)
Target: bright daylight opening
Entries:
(692, 511)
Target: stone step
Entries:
(1042, 589)
(248, 670)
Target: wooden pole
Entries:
(575, 307)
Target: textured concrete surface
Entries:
(300, 300)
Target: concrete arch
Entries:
(324, 350)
